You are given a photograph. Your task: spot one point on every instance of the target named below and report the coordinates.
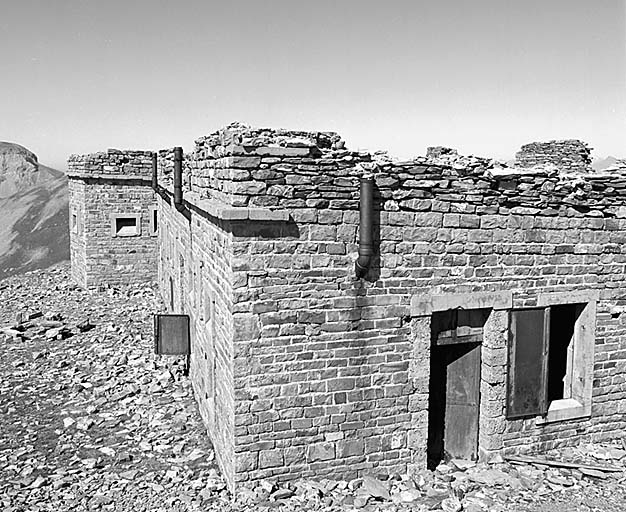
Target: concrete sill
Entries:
(563, 410)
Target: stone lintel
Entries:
(568, 297)
(424, 305)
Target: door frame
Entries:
(491, 426)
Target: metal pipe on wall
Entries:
(178, 178)
(155, 179)
(366, 225)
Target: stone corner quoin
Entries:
(302, 369)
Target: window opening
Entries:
(561, 350)
(550, 361)
(125, 225)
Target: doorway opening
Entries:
(454, 387)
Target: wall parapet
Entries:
(567, 155)
(277, 169)
(113, 162)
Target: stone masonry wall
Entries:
(115, 183)
(322, 369)
(305, 370)
(112, 163)
(76, 190)
(194, 263)
(567, 155)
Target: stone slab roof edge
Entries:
(111, 177)
(224, 211)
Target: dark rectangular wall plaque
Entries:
(171, 334)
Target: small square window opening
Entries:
(125, 225)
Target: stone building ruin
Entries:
(489, 320)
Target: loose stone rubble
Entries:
(90, 419)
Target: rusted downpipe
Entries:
(178, 179)
(366, 222)
(155, 179)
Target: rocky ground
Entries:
(91, 419)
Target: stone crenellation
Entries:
(302, 369)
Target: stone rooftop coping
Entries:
(128, 177)
(225, 211)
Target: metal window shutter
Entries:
(528, 345)
(171, 334)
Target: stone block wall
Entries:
(195, 278)
(78, 249)
(300, 368)
(103, 186)
(567, 155)
(324, 365)
(264, 168)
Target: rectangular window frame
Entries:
(578, 404)
(115, 216)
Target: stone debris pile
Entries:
(90, 419)
(461, 485)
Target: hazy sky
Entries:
(484, 76)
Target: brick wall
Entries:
(102, 186)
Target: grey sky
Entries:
(483, 76)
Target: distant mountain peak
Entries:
(13, 148)
(34, 229)
(20, 170)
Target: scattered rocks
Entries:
(89, 422)
(72, 425)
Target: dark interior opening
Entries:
(454, 335)
(562, 325)
(125, 222)
(155, 225)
